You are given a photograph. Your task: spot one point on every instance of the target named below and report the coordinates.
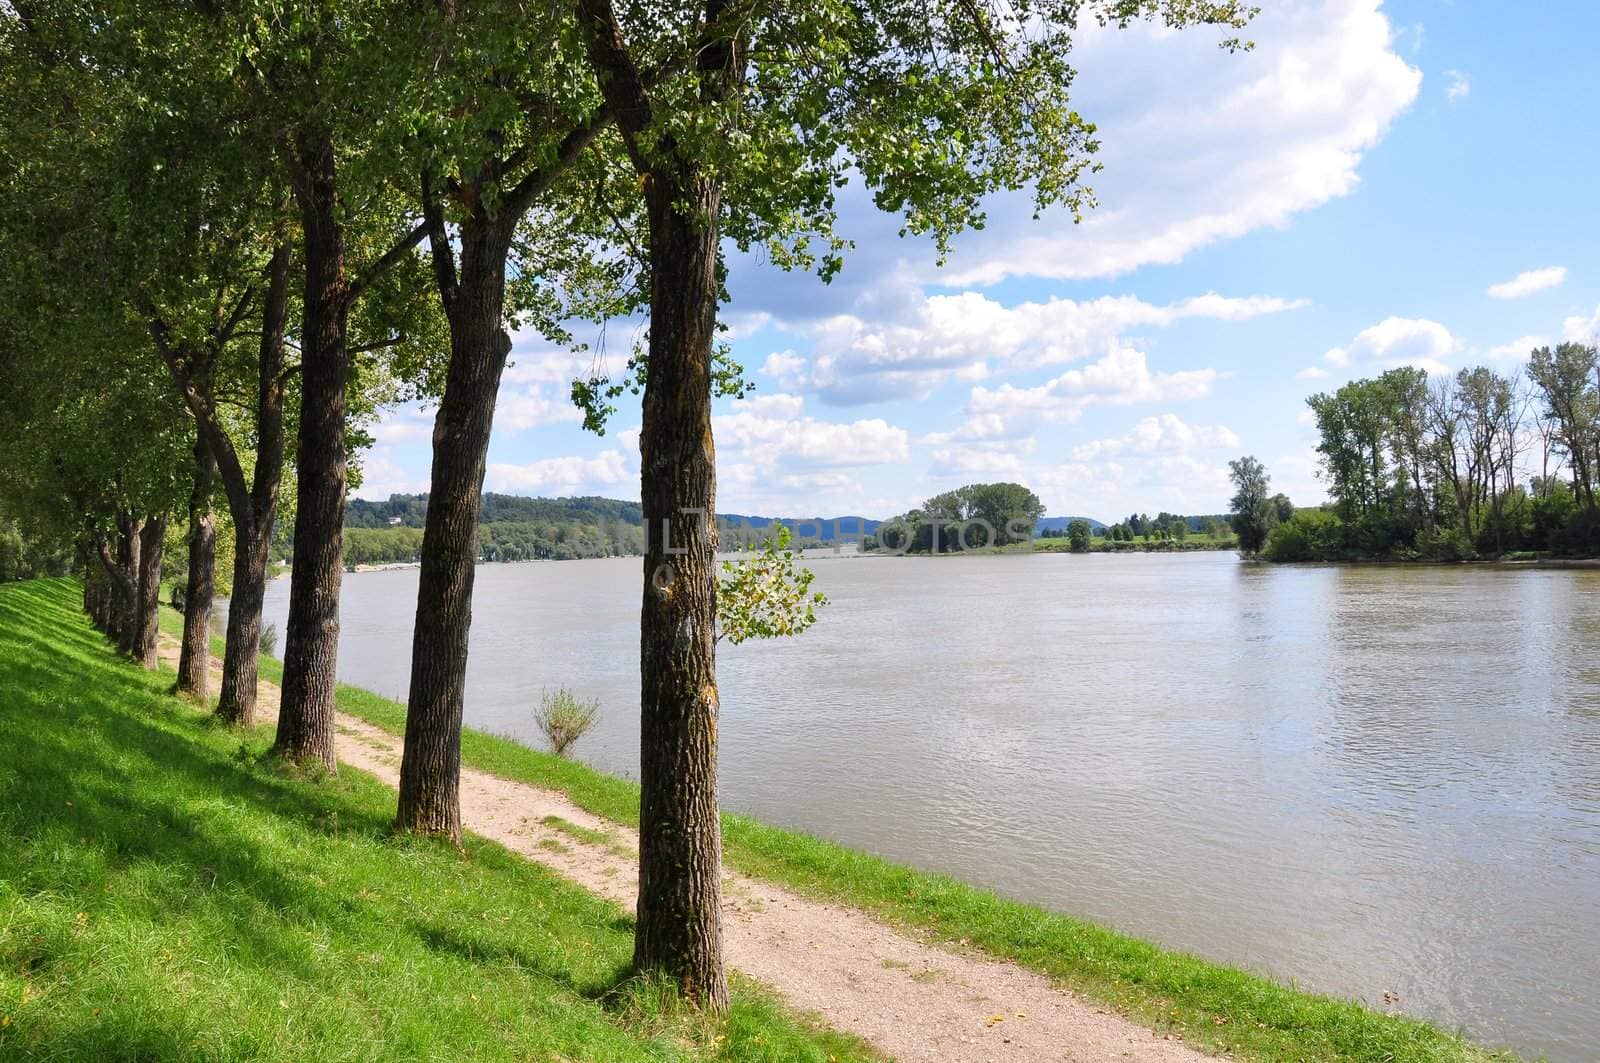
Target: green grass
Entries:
(1210, 1005)
(168, 893)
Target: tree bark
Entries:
(680, 830)
(147, 609)
(679, 926)
(311, 646)
(124, 572)
(255, 510)
(194, 660)
(430, 768)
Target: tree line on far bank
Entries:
(234, 231)
(1446, 467)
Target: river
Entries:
(1369, 780)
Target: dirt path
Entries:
(911, 1000)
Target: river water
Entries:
(1369, 780)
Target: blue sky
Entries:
(1376, 184)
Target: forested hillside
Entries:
(516, 528)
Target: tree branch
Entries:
(444, 259)
(389, 259)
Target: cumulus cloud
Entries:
(968, 336)
(1460, 85)
(1110, 488)
(519, 409)
(566, 475)
(772, 432)
(1518, 349)
(1527, 282)
(1121, 378)
(1582, 329)
(1165, 432)
(409, 423)
(1200, 146)
(1397, 341)
(382, 476)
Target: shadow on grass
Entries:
(126, 812)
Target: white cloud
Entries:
(1460, 85)
(1527, 282)
(1110, 489)
(403, 424)
(1165, 432)
(1201, 146)
(770, 432)
(382, 476)
(524, 408)
(1311, 372)
(968, 336)
(1397, 341)
(787, 367)
(563, 475)
(1121, 378)
(1518, 349)
(1580, 329)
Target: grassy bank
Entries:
(165, 894)
(1211, 1006)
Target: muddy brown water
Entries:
(1368, 780)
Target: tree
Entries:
(1253, 511)
(194, 658)
(505, 128)
(1566, 379)
(1079, 535)
(934, 108)
(319, 85)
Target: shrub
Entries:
(1309, 535)
(564, 718)
(269, 639)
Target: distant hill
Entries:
(410, 511)
(1059, 524)
(824, 529)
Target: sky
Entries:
(1376, 184)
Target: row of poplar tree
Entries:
(231, 230)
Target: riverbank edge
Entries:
(1211, 1006)
(171, 893)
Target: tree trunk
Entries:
(194, 661)
(311, 644)
(126, 576)
(679, 930)
(255, 510)
(430, 768)
(236, 703)
(147, 610)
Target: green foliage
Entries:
(1309, 535)
(563, 718)
(144, 845)
(1254, 512)
(1079, 535)
(970, 517)
(1432, 468)
(766, 596)
(29, 557)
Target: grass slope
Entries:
(166, 894)
(1211, 1006)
